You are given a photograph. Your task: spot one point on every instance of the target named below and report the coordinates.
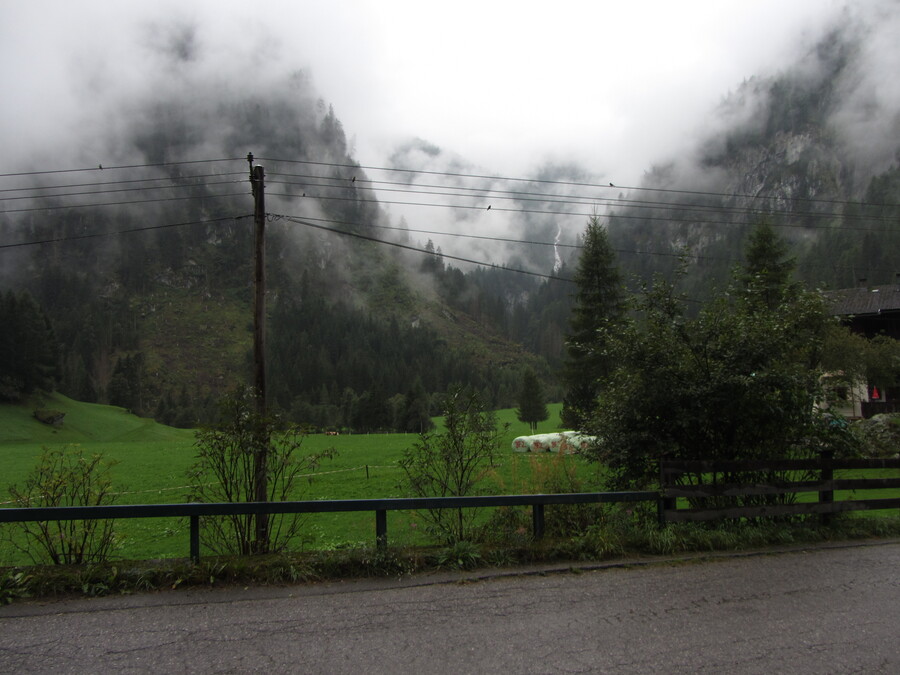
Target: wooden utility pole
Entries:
(257, 182)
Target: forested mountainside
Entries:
(141, 268)
(149, 300)
(812, 149)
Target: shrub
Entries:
(453, 463)
(66, 477)
(228, 458)
(879, 436)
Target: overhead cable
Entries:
(94, 235)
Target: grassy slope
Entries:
(84, 422)
(153, 460)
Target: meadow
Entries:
(152, 462)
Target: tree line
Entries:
(655, 374)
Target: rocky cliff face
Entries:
(784, 148)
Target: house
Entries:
(871, 311)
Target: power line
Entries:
(123, 203)
(100, 167)
(123, 182)
(480, 263)
(117, 190)
(546, 197)
(578, 214)
(622, 251)
(573, 200)
(94, 235)
(540, 181)
(610, 186)
(356, 235)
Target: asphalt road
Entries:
(828, 610)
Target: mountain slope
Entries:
(786, 149)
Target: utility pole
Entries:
(257, 182)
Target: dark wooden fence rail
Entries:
(380, 506)
(817, 476)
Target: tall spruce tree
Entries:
(532, 407)
(416, 417)
(28, 349)
(599, 305)
(766, 274)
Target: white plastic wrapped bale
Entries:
(563, 441)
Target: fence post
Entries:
(381, 529)
(664, 503)
(195, 539)
(826, 473)
(537, 520)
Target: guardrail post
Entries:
(195, 539)
(381, 529)
(827, 474)
(663, 503)
(537, 519)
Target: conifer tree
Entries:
(599, 305)
(28, 350)
(416, 416)
(766, 273)
(532, 407)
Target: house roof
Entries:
(862, 301)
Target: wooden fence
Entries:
(735, 489)
(380, 507)
(712, 494)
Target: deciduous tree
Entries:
(740, 380)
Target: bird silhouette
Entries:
(100, 166)
(353, 180)
(488, 208)
(611, 185)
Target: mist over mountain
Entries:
(812, 148)
(143, 264)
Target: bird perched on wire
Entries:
(488, 208)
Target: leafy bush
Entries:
(453, 463)
(229, 459)
(463, 555)
(880, 435)
(66, 477)
(556, 474)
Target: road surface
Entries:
(826, 610)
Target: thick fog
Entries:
(569, 91)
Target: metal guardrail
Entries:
(380, 506)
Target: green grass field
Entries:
(152, 463)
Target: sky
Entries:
(596, 89)
(505, 85)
